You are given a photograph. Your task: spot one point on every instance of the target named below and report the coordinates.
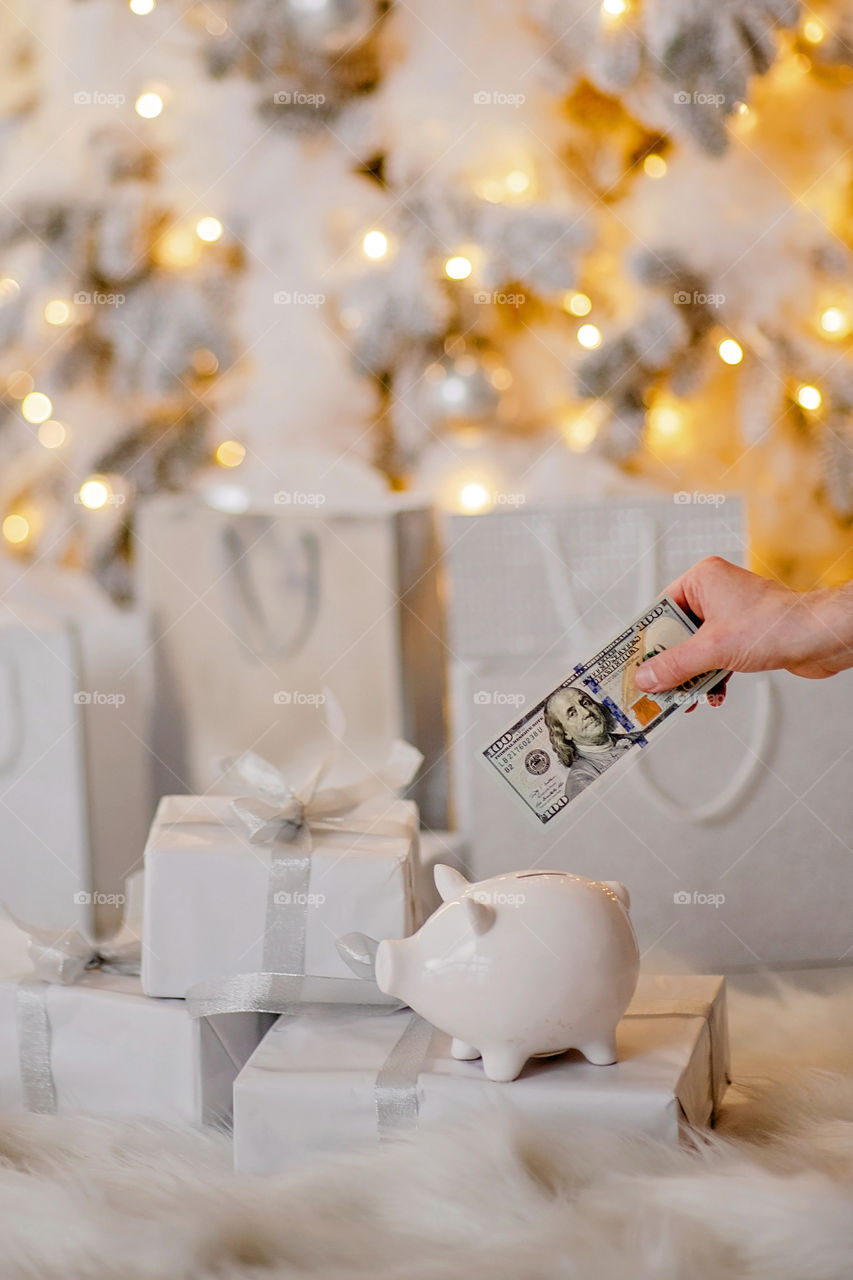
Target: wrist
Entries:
(830, 625)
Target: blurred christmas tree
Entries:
(500, 247)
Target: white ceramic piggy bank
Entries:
(532, 962)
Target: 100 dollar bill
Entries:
(596, 716)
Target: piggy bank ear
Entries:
(621, 892)
(480, 915)
(449, 882)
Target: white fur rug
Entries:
(770, 1194)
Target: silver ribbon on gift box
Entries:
(289, 819)
(395, 1090)
(60, 957)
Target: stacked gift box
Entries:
(221, 940)
(226, 989)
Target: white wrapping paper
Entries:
(309, 1087)
(206, 891)
(114, 1052)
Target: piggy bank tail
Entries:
(621, 892)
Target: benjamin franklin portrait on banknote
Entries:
(584, 737)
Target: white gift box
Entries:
(115, 1052)
(255, 611)
(310, 1088)
(75, 778)
(207, 891)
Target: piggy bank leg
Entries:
(601, 1052)
(463, 1052)
(503, 1063)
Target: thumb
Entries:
(665, 670)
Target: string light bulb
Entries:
(474, 496)
(813, 31)
(580, 431)
(16, 528)
(613, 8)
(730, 352)
(808, 397)
(667, 433)
(230, 453)
(664, 420)
(208, 229)
(36, 407)
(57, 311)
(458, 267)
(577, 304)
(148, 105)
(589, 336)
(19, 383)
(142, 7)
(654, 166)
(375, 244)
(834, 322)
(94, 493)
(517, 181)
(178, 246)
(52, 434)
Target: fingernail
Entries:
(644, 676)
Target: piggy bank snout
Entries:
(385, 967)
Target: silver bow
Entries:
(288, 819)
(59, 957)
(62, 956)
(278, 813)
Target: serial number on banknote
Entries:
(596, 716)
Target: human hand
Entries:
(750, 623)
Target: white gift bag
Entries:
(534, 591)
(75, 800)
(731, 828)
(256, 614)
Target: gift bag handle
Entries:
(563, 595)
(13, 702)
(251, 615)
(742, 779)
